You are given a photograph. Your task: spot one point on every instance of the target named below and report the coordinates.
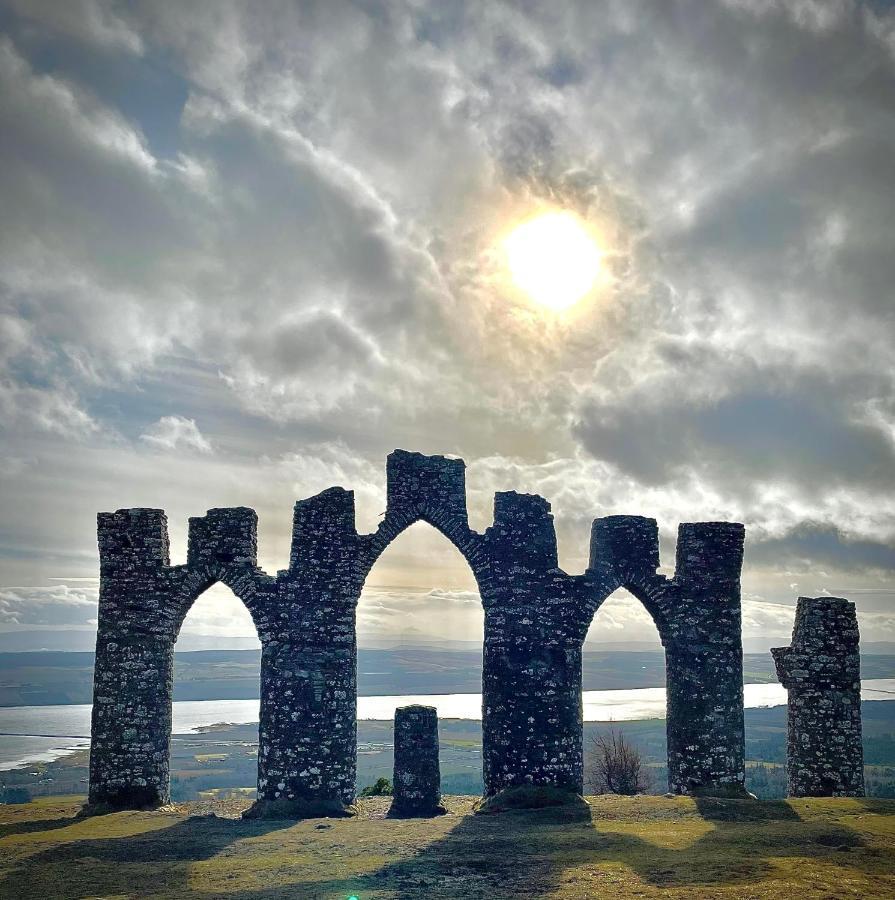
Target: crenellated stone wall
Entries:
(697, 615)
(821, 669)
(536, 619)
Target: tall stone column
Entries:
(417, 775)
(307, 755)
(307, 741)
(821, 669)
(531, 680)
(133, 674)
(704, 662)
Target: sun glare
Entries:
(553, 259)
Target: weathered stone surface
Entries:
(416, 783)
(697, 615)
(536, 618)
(821, 669)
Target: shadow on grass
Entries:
(714, 809)
(532, 854)
(524, 853)
(875, 805)
(103, 866)
(26, 827)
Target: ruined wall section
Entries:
(704, 662)
(536, 618)
(821, 669)
(142, 604)
(308, 731)
(531, 680)
(308, 735)
(697, 615)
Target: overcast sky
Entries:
(248, 249)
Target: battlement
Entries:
(224, 536)
(523, 526)
(708, 554)
(322, 527)
(132, 540)
(414, 480)
(625, 544)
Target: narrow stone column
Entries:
(307, 736)
(417, 776)
(704, 725)
(133, 672)
(307, 753)
(704, 662)
(821, 669)
(531, 678)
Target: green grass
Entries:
(623, 847)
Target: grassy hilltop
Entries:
(623, 847)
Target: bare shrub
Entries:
(617, 767)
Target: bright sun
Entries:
(553, 259)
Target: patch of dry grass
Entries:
(638, 846)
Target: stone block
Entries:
(417, 776)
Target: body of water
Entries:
(42, 733)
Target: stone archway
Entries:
(697, 615)
(536, 617)
(143, 602)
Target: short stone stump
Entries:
(417, 776)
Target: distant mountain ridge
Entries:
(40, 678)
(85, 640)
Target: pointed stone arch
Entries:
(143, 603)
(536, 617)
(697, 615)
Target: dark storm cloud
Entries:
(737, 422)
(825, 546)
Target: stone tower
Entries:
(821, 669)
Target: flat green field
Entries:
(613, 846)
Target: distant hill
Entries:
(74, 640)
(85, 640)
(41, 677)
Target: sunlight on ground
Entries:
(631, 846)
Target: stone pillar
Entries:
(821, 669)
(704, 662)
(307, 738)
(223, 537)
(417, 776)
(624, 548)
(418, 482)
(133, 673)
(531, 680)
(307, 754)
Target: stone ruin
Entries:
(536, 619)
(821, 670)
(416, 781)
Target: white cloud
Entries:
(309, 265)
(56, 605)
(92, 21)
(176, 433)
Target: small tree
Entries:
(617, 767)
(382, 788)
